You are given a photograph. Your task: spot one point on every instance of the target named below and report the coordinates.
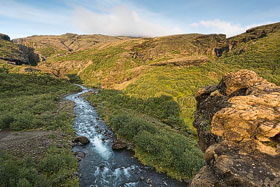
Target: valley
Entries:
(145, 92)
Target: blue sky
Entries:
(20, 18)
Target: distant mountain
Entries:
(48, 45)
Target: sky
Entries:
(140, 18)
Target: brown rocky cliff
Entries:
(238, 124)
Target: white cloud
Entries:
(223, 27)
(218, 26)
(120, 21)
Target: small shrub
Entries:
(22, 121)
(148, 143)
(5, 120)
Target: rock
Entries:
(238, 126)
(118, 145)
(4, 37)
(101, 167)
(31, 70)
(187, 182)
(81, 139)
(130, 146)
(149, 181)
(76, 174)
(205, 178)
(80, 154)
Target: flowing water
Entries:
(102, 166)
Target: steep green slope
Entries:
(261, 55)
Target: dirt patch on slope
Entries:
(33, 143)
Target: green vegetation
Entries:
(55, 169)
(8, 49)
(159, 146)
(30, 101)
(155, 128)
(17, 54)
(179, 83)
(74, 78)
(163, 108)
(261, 55)
(103, 63)
(51, 50)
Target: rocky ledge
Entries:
(238, 125)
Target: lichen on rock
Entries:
(238, 124)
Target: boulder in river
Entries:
(118, 145)
(80, 155)
(81, 139)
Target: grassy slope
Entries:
(9, 50)
(262, 56)
(30, 102)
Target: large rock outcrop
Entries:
(4, 37)
(238, 124)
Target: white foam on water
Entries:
(131, 184)
(101, 148)
(97, 171)
(105, 172)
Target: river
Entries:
(101, 166)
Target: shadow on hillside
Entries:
(164, 108)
